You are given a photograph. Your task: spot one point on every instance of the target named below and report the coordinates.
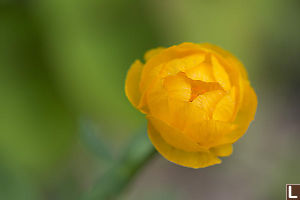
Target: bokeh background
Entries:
(64, 114)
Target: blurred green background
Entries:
(64, 117)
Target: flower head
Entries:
(197, 99)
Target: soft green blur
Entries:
(64, 117)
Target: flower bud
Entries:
(197, 99)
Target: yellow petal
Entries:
(222, 150)
(173, 136)
(239, 95)
(153, 66)
(248, 106)
(209, 99)
(132, 83)
(182, 64)
(151, 78)
(170, 110)
(166, 107)
(187, 159)
(202, 107)
(153, 52)
(178, 87)
(220, 74)
(230, 59)
(191, 47)
(202, 72)
(178, 113)
(157, 101)
(245, 115)
(209, 133)
(226, 107)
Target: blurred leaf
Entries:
(93, 141)
(109, 186)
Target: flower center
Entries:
(181, 87)
(200, 87)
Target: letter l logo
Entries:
(290, 193)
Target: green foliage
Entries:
(114, 180)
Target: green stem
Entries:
(117, 178)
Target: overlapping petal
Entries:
(209, 133)
(245, 114)
(174, 137)
(132, 89)
(188, 159)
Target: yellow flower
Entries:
(197, 99)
